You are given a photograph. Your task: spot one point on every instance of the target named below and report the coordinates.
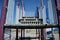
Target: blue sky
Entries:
(1, 5)
(29, 5)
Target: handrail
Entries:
(31, 26)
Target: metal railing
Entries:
(29, 26)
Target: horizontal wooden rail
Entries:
(30, 26)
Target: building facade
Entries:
(31, 20)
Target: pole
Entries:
(38, 34)
(10, 34)
(52, 33)
(22, 7)
(4, 11)
(42, 34)
(43, 31)
(59, 31)
(21, 34)
(58, 13)
(17, 34)
(17, 28)
(23, 30)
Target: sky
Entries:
(1, 5)
(30, 7)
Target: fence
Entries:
(30, 26)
